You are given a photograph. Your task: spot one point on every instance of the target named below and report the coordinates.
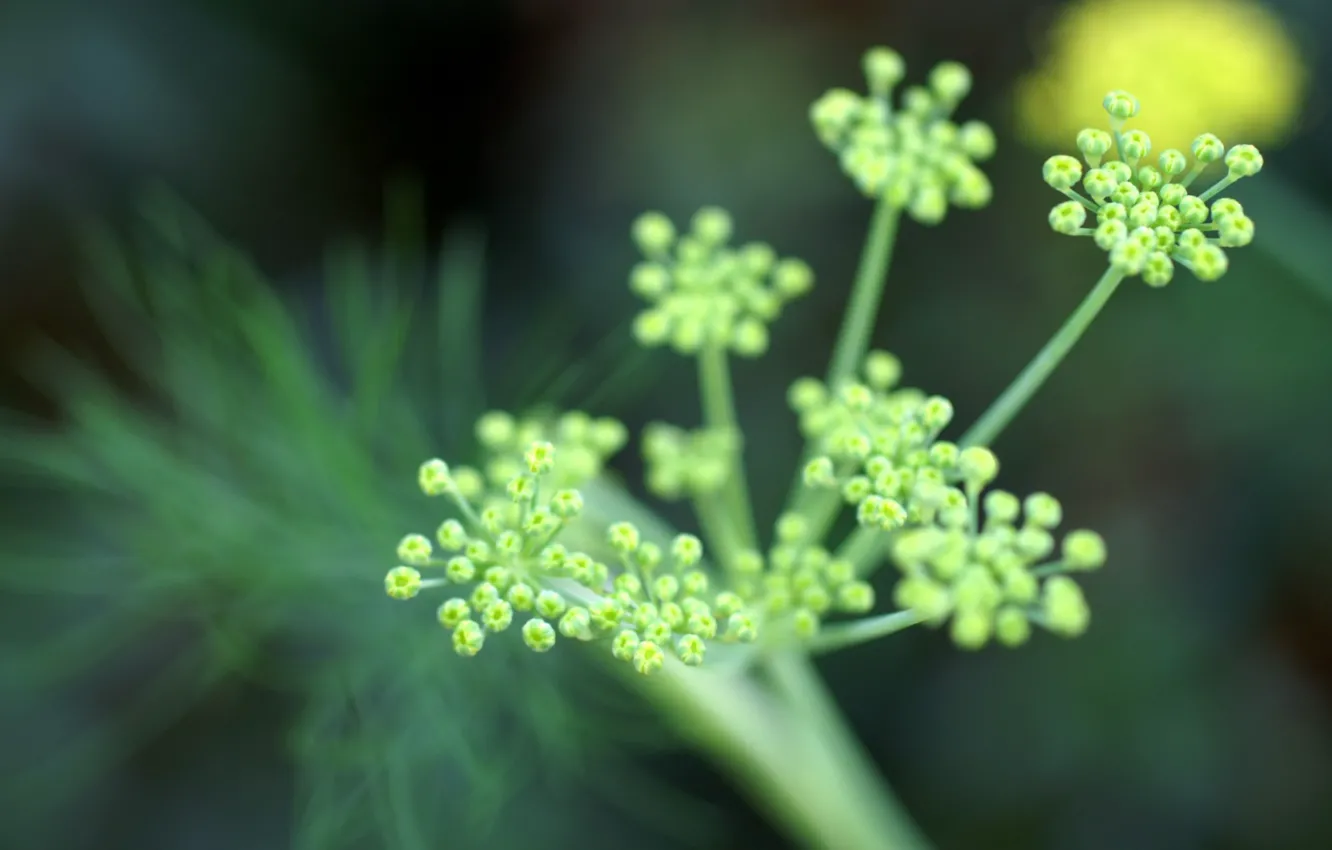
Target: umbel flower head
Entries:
(684, 463)
(1140, 209)
(986, 561)
(1227, 66)
(503, 557)
(703, 292)
(911, 155)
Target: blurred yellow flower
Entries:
(1221, 66)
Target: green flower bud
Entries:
(929, 205)
(538, 635)
(712, 226)
(807, 394)
(468, 638)
(1129, 256)
(702, 624)
(576, 624)
(976, 140)
(624, 645)
(1244, 161)
(971, 628)
(1208, 148)
(1094, 144)
(434, 477)
(1126, 194)
(792, 278)
(451, 535)
(1043, 510)
(1172, 162)
(653, 233)
(856, 597)
(816, 598)
(623, 537)
(1001, 507)
(1011, 627)
(648, 657)
(1020, 586)
(453, 612)
(1062, 172)
(884, 69)
(978, 465)
(818, 473)
(805, 623)
(1223, 207)
(1208, 262)
(1120, 105)
(550, 604)
(740, 627)
(1149, 178)
(1158, 269)
(749, 338)
(1136, 144)
(553, 558)
(1099, 183)
(497, 616)
(605, 613)
(690, 649)
(666, 587)
(1064, 607)
(687, 550)
(460, 569)
(1068, 217)
(567, 504)
(1173, 194)
(1083, 550)
(833, 113)
(1236, 231)
(402, 583)
(414, 549)
(950, 82)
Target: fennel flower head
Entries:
(1223, 66)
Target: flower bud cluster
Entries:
(913, 155)
(684, 463)
(510, 570)
(878, 447)
(800, 582)
(703, 292)
(1145, 216)
(583, 444)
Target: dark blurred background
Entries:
(1190, 427)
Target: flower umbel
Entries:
(912, 155)
(1146, 218)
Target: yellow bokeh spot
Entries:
(1220, 66)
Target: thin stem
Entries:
(1218, 186)
(862, 548)
(997, 417)
(841, 635)
(714, 382)
(863, 308)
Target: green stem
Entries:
(997, 417)
(863, 308)
(842, 635)
(714, 382)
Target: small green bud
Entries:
(807, 394)
(1094, 144)
(434, 477)
(497, 616)
(451, 535)
(666, 587)
(1149, 178)
(749, 338)
(1034, 543)
(624, 645)
(1083, 550)
(792, 278)
(818, 473)
(976, 140)
(1173, 194)
(1020, 586)
(567, 504)
(833, 113)
(1110, 233)
(540, 457)
(856, 489)
(550, 604)
(521, 596)
(402, 583)
(653, 233)
(658, 631)
(805, 623)
(1001, 507)
(650, 281)
(1065, 607)
(884, 68)
(553, 557)
(741, 627)
(623, 537)
(978, 466)
(468, 638)
(414, 549)
(628, 583)
(1236, 231)
(605, 613)
(971, 628)
(647, 555)
(690, 649)
(687, 550)
(1043, 510)
(648, 657)
(1208, 148)
(1068, 217)
(1099, 183)
(1224, 207)
(1120, 105)
(856, 597)
(712, 226)
(950, 82)
(1158, 269)
(1136, 144)
(1129, 256)
(538, 635)
(453, 612)
(500, 577)
(483, 595)
(495, 430)
(576, 624)
(1244, 161)
(1209, 262)
(1011, 627)
(460, 569)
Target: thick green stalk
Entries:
(999, 414)
(714, 383)
(863, 308)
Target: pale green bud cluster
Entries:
(684, 463)
(579, 448)
(975, 557)
(703, 292)
(799, 583)
(1140, 210)
(511, 572)
(912, 155)
(993, 568)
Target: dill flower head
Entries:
(1223, 66)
